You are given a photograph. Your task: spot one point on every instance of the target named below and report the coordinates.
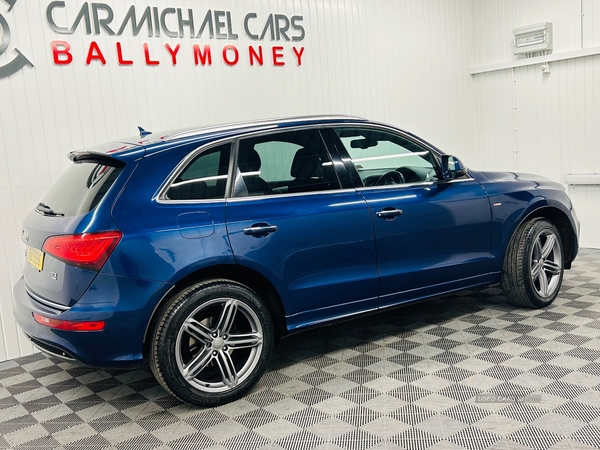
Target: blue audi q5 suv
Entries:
(198, 250)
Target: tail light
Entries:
(69, 325)
(88, 250)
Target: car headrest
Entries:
(306, 166)
(249, 160)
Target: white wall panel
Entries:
(404, 62)
(495, 21)
(555, 115)
(586, 200)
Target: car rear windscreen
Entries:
(80, 188)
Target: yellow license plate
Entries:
(35, 257)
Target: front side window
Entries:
(205, 177)
(290, 162)
(382, 158)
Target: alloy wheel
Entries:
(546, 263)
(219, 345)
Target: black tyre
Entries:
(533, 266)
(212, 342)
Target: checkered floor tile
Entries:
(467, 371)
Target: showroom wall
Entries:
(530, 121)
(404, 62)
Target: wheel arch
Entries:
(232, 272)
(562, 222)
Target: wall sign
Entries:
(187, 26)
(274, 39)
(20, 60)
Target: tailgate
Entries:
(78, 204)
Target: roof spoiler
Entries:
(93, 156)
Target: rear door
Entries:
(433, 236)
(292, 220)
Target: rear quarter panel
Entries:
(153, 246)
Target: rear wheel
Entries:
(533, 267)
(212, 343)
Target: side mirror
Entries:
(452, 168)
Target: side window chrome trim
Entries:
(195, 180)
(458, 180)
(399, 186)
(190, 202)
(398, 155)
(286, 195)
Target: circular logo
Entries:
(19, 61)
(4, 35)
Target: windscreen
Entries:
(80, 188)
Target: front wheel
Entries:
(212, 343)
(533, 267)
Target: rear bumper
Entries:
(126, 305)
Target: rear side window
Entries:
(205, 177)
(80, 188)
(284, 163)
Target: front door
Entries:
(433, 236)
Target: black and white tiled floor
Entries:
(468, 371)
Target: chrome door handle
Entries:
(260, 229)
(389, 213)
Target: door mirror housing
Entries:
(452, 168)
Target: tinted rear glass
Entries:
(81, 188)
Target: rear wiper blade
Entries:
(46, 210)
